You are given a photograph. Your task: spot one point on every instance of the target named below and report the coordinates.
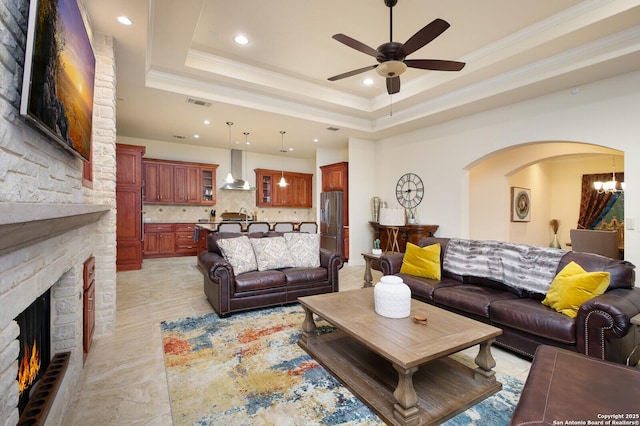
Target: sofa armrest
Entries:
(390, 263)
(216, 267)
(333, 262)
(605, 319)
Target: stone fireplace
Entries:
(52, 219)
(43, 248)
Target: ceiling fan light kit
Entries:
(391, 69)
(391, 56)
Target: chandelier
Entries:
(610, 186)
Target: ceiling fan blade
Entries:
(393, 85)
(353, 72)
(355, 44)
(423, 37)
(434, 64)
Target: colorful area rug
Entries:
(248, 369)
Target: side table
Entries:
(371, 261)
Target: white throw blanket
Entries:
(516, 265)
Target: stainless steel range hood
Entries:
(236, 170)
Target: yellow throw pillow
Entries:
(573, 286)
(422, 261)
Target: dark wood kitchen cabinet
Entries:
(158, 182)
(186, 245)
(159, 240)
(335, 177)
(169, 240)
(298, 192)
(179, 182)
(208, 185)
(186, 185)
(129, 180)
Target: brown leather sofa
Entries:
(229, 293)
(602, 328)
(567, 386)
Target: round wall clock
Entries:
(409, 190)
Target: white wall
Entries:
(362, 187)
(603, 113)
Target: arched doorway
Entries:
(551, 170)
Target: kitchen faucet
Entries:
(246, 215)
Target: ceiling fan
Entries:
(391, 56)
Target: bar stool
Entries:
(258, 227)
(283, 227)
(230, 227)
(310, 227)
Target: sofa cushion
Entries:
(470, 298)
(532, 317)
(305, 275)
(239, 253)
(256, 280)
(622, 272)
(422, 261)
(422, 288)
(271, 253)
(212, 240)
(304, 249)
(573, 286)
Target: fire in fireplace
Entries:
(35, 346)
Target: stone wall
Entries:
(34, 170)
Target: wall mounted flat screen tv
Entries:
(59, 71)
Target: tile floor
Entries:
(124, 379)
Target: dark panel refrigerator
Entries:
(331, 237)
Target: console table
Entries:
(410, 233)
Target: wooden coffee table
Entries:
(399, 368)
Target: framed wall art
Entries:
(59, 73)
(520, 204)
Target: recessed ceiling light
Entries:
(367, 81)
(196, 136)
(290, 149)
(241, 39)
(315, 140)
(207, 122)
(124, 20)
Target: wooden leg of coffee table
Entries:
(406, 410)
(368, 278)
(308, 326)
(485, 362)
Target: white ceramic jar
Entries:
(392, 297)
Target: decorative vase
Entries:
(392, 297)
(555, 243)
(375, 208)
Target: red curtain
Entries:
(591, 203)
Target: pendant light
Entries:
(282, 182)
(246, 145)
(229, 178)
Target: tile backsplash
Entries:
(227, 201)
